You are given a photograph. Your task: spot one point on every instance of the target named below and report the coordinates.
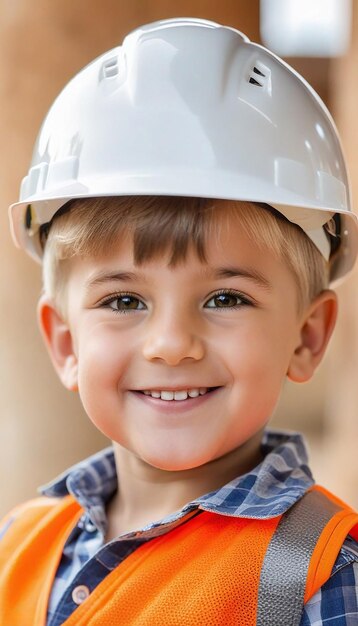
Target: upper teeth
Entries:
(177, 395)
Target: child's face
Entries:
(230, 326)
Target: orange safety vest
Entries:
(212, 569)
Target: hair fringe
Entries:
(171, 225)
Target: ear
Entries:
(316, 329)
(58, 339)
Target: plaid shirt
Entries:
(268, 490)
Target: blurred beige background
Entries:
(42, 427)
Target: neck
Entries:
(147, 494)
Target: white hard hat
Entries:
(188, 107)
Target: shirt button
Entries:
(89, 527)
(80, 594)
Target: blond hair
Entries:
(159, 224)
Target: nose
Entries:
(172, 340)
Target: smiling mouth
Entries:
(179, 394)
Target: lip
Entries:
(178, 388)
(174, 407)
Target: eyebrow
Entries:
(241, 272)
(210, 273)
(109, 277)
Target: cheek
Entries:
(101, 366)
(257, 359)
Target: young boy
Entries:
(189, 200)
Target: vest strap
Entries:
(287, 560)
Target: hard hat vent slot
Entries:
(257, 79)
(253, 81)
(110, 68)
(257, 71)
(260, 76)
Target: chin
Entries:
(173, 463)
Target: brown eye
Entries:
(125, 303)
(226, 300)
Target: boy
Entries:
(189, 199)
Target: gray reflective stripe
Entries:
(285, 567)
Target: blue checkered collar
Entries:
(267, 491)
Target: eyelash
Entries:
(116, 296)
(244, 301)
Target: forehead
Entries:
(233, 260)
